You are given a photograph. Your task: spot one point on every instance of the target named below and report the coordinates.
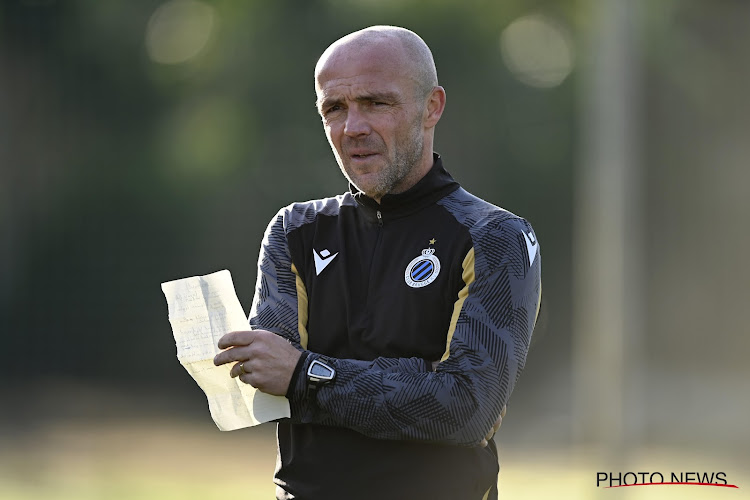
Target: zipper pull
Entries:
(380, 218)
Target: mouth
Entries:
(362, 156)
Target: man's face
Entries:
(373, 119)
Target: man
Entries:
(396, 317)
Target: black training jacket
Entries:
(381, 291)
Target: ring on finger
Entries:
(242, 369)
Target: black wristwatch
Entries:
(319, 372)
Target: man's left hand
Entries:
(494, 429)
(267, 359)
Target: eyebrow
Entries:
(370, 97)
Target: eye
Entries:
(331, 109)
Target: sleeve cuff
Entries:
(295, 375)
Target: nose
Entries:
(356, 123)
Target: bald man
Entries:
(395, 317)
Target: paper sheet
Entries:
(201, 310)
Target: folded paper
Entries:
(201, 310)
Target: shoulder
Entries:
(483, 219)
(298, 214)
(497, 235)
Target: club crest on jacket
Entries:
(422, 270)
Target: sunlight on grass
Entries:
(138, 460)
(571, 475)
(158, 459)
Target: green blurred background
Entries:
(147, 141)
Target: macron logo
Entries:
(531, 246)
(322, 260)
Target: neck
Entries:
(417, 173)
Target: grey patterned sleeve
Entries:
(275, 302)
(458, 402)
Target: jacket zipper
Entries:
(373, 267)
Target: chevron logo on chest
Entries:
(322, 260)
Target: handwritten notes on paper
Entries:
(201, 310)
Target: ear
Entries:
(435, 106)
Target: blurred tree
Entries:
(129, 168)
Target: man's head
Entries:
(379, 99)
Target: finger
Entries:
(247, 378)
(502, 413)
(233, 354)
(497, 424)
(484, 443)
(239, 369)
(233, 339)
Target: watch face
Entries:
(320, 370)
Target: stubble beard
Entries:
(407, 157)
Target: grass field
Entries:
(159, 459)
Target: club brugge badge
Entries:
(423, 270)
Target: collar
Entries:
(436, 184)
